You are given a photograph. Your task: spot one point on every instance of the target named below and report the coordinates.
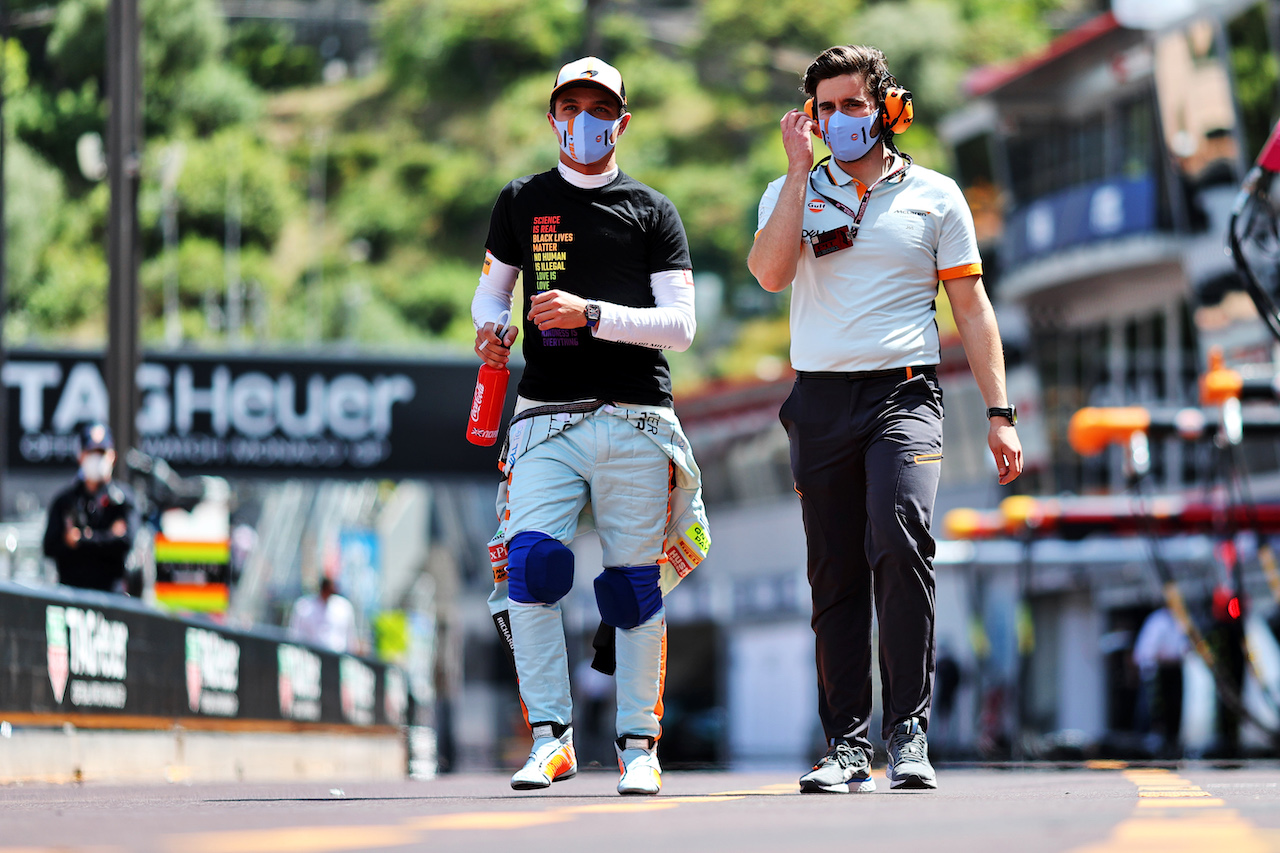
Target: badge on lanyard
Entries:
(831, 241)
(842, 238)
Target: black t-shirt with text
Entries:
(600, 244)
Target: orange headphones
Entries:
(896, 111)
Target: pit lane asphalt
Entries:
(1103, 808)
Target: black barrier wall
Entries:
(65, 653)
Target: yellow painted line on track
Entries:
(1174, 815)
(711, 798)
(297, 839)
(326, 839)
(59, 850)
(487, 820)
(1212, 803)
(622, 808)
(768, 790)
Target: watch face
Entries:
(593, 312)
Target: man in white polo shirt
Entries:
(864, 238)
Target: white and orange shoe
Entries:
(638, 762)
(552, 759)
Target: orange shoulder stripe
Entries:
(959, 272)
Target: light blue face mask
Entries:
(587, 139)
(849, 137)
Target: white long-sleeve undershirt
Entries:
(669, 325)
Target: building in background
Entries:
(1102, 171)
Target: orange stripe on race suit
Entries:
(671, 488)
(658, 707)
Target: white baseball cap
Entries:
(590, 71)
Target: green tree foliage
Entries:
(401, 169)
(435, 298)
(197, 267)
(211, 98)
(744, 46)
(33, 199)
(52, 121)
(265, 51)
(66, 294)
(1256, 70)
(77, 46)
(469, 50)
(181, 39)
(15, 68)
(211, 173)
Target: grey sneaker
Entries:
(845, 769)
(909, 765)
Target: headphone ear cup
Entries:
(811, 112)
(898, 111)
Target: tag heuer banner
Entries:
(256, 414)
(86, 655)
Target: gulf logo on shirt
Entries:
(817, 205)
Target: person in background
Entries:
(1225, 637)
(92, 522)
(863, 240)
(1158, 654)
(244, 540)
(325, 619)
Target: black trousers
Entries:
(866, 452)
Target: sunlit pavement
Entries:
(1089, 808)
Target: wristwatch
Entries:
(1010, 412)
(593, 315)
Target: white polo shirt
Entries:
(871, 306)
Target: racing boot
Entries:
(638, 762)
(552, 758)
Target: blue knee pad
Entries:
(539, 569)
(628, 597)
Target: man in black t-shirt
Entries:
(607, 286)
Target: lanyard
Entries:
(866, 196)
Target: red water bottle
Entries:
(487, 402)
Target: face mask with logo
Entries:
(587, 139)
(849, 137)
(94, 468)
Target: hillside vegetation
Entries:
(363, 202)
